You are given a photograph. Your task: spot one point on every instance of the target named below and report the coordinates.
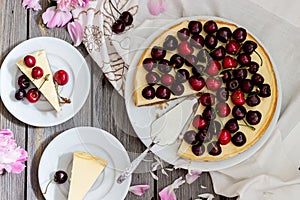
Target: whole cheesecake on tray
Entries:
(230, 72)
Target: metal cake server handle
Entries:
(157, 140)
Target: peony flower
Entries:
(80, 3)
(139, 190)
(56, 18)
(156, 7)
(34, 4)
(168, 192)
(76, 32)
(191, 176)
(11, 156)
(64, 5)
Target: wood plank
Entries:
(13, 18)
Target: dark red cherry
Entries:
(229, 62)
(118, 26)
(209, 113)
(244, 59)
(232, 47)
(223, 109)
(226, 76)
(247, 85)
(249, 46)
(257, 79)
(176, 61)
(182, 75)
(148, 92)
(239, 112)
(195, 27)
(164, 66)
(264, 90)
(238, 139)
(185, 48)
(239, 74)
(152, 78)
(183, 34)
(210, 27)
(167, 79)
(23, 82)
(177, 89)
(224, 34)
(191, 137)
(60, 177)
(197, 41)
(219, 53)
(197, 70)
(149, 64)
(198, 150)
(203, 55)
(253, 67)
(213, 83)
(222, 94)
(127, 18)
(163, 92)
(170, 43)
(214, 148)
(197, 83)
(210, 41)
(207, 99)
(191, 60)
(239, 34)
(213, 68)
(199, 122)
(233, 85)
(33, 95)
(253, 99)
(232, 125)
(20, 94)
(29, 61)
(253, 117)
(158, 53)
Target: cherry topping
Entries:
(198, 70)
(238, 139)
(176, 61)
(238, 98)
(213, 68)
(232, 125)
(222, 94)
(240, 74)
(265, 90)
(191, 60)
(158, 53)
(218, 53)
(167, 79)
(247, 85)
(177, 89)
(37, 73)
(253, 117)
(213, 84)
(226, 76)
(20, 94)
(149, 64)
(148, 92)
(197, 83)
(210, 41)
(33, 95)
(195, 27)
(207, 99)
(183, 34)
(210, 26)
(164, 66)
(223, 109)
(244, 59)
(239, 112)
(191, 137)
(224, 34)
(197, 41)
(171, 43)
(61, 77)
(198, 150)
(249, 46)
(23, 82)
(118, 26)
(253, 67)
(252, 99)
(163, 92)
(29, 61)
(152, 78)
(233, 85)
(203, 55)
(232, 47)
(199, 122)
(214, 148)
(239, 34)
(185, 48)
(229, 62)
(182, 75)
(224, 137)
(209, 113)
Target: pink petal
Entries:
(192, 176)
(17, 167)
(76, 32)
(23, 156)
(156, 7)
(34, 4)
(6, 132)
(139, 190)
(56, 18)
(168, 192)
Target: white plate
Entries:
(58, 156)
(141, 117)
(61, 55)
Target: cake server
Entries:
(165, 130)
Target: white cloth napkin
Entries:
(272, 173)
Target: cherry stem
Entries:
(51, 180)
(65, 100)
(247, 125)
(261, 61)
(114, 7)
(45, 79)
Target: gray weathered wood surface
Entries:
(104, 108)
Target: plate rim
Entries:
(218, 165)
(95, 131)
(58, 120)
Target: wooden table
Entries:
(104, 108)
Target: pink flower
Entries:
(156, 7)
(139, 190)
(34, 4)
(64, 5)
(76, 32)
(80, 3)
(191, 176)
(56, 18)
(11, 156)
(168, 192)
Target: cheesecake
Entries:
(219, 59)
(45, 84)
(85, 171)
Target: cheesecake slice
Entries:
(47, 88)
(85, 171)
